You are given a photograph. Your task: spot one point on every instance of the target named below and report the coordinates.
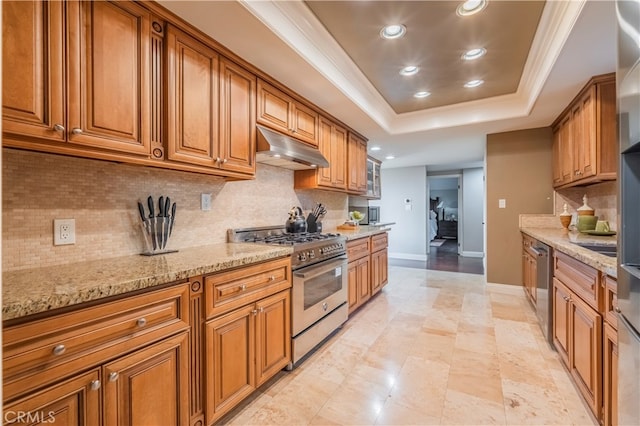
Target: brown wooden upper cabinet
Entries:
(357, 164)
(281, 112)
(96, 69)
(333, 145)
(585, 136)
(210, 104)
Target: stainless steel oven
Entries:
(318, 303)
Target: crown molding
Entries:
(298, 27)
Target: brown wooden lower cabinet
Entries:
(76, 401)
(367, 269)
(610, 379)
(582, 334)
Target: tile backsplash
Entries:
(102, 198)
(602, 197)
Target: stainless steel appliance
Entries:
(628, 309)
(319, 291)
(372, 214)
(543, 289)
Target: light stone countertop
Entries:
(363, 230)
(564, 241)
(37, 290)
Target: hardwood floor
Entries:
(444, 258)
(433, 348)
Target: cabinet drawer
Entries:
(69, 342)
(229, 290)
(610, 301)
(580, 278)
(357, 249)
(379, 241)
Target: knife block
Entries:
(156, 232)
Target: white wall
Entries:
(408, 237)
(473, 212)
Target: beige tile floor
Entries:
(433, 348)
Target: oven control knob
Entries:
(302, 257)
(312, 254)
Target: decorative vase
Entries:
(565, 218)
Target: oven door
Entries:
(317, 291)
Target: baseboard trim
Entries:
(408, 256)
(472, 254)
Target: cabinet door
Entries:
(566, 155)
(557, 159)
(357, 164)
(363, 280)
(325, 145)
(338, 158)
(192, 100)
(237, 118)
(384, 267)
(274, 108)
(230, 360)
(352, 279)
(378, 270)
(561, 305)
(584, 135)
(33, 69)
(108, 76)
(149, 387)
(72, 402)
(586, 352)
(273, 336)
(305, 124)
(610, 376)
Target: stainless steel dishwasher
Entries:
(544, 288)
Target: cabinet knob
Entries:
(254, 312)
(218, 160)
(324, 306)
(261, 310)
(617, 309)
(58, 128)
(225, 160)
(59, 349)
(243, 287)
(141, 322)
(95, 385)
(272, 278)
(77, 131)
(113, 376)
(566, 298)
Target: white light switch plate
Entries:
(502, 203)
(205, 202)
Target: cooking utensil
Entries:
(173, 218)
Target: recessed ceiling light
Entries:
(393, 31)
(389, 157)
(471, 7)
(421, 94)
(472, 54)
(473, 83)
(375, 148)
(410, 70)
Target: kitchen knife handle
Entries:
(160, 205)
(141, 210)
(151, 208)
(173, 210)
(167, 205)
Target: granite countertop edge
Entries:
(565, 241)
(37, 290)
(364, 230)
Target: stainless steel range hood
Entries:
(280, 150)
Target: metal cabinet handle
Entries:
(58, 128)
(77, 131)
(141, 322)
(59, 349)
(113, 376)
(95, 385)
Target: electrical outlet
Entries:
(205, 202)
(64, 232)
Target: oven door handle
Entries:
(316, 270)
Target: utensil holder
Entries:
(156, 232)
